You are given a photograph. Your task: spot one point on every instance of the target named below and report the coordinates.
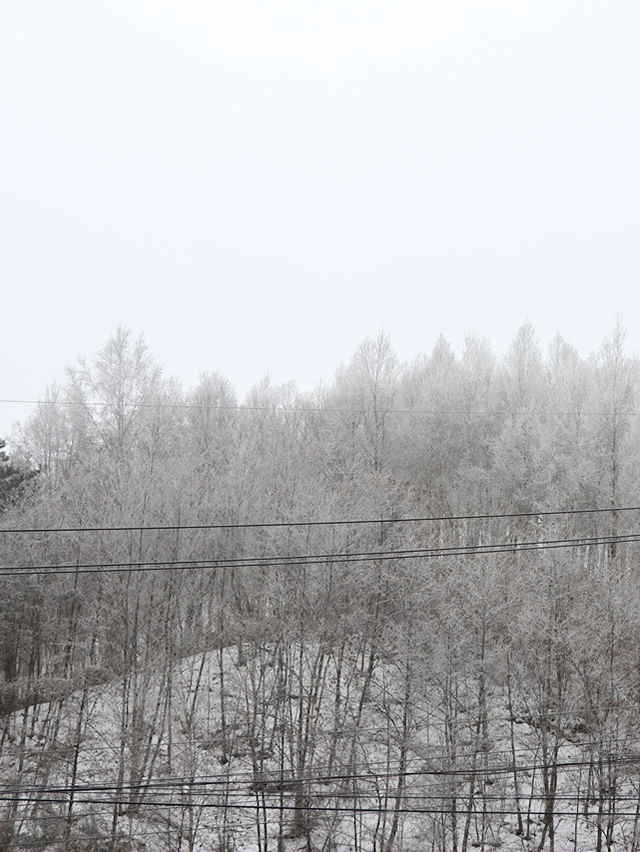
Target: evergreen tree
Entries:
(11, 477)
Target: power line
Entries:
(315, 560)
(274, 779)
(314, 409)
(271, 781)
(190, 797)
(311, 523)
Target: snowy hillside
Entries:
(305, 747)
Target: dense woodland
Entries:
(221, 662)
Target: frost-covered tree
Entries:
(113, 395)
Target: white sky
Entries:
(257, 186)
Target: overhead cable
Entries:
(324, 523)
(309, 560)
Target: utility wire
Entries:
(193, 790)
(275, 779)
(334, 523)
(302, 560)
(316, 409)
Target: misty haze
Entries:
(319, 426)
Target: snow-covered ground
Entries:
(300, 747)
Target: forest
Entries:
(400, 612)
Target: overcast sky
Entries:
(257, 186)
